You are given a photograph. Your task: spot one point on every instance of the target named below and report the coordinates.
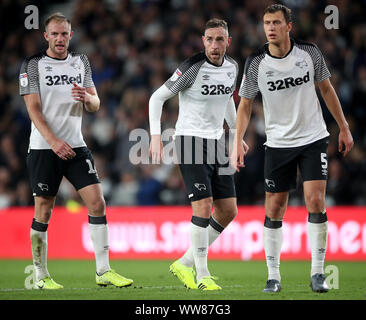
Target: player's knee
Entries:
(276, 209)
(97, 207)
(231, 212)
(202, 207)
(43, 209)
(315, 202)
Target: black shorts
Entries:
(204, 165)
(281, 164)
(46, 169)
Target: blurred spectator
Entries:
(134, 47)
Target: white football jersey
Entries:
(53, 80)
(204, 92)
(292, 112)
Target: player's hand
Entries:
(237, 155)
(79, 93)
(62, 149)
(156, 149)
(345, 141)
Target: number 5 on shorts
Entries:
(324, 161)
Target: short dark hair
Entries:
(279, 7)
(216, 23)
(58, 16)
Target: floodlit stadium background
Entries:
(133, 47)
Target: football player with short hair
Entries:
(57, 85)
(285, 71)
(205, 83)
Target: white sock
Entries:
(199, 244)
(317, 233)
(272, 238)
(187, 259)
(100, 238)
(39, 253)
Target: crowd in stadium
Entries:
(133, 48)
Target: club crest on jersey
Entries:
(23, 79)
(231, 75)
(301, 64)
(175, 75)
(75, 65)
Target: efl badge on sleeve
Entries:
(23, 78)
(175, 75)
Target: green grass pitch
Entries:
(152, 281)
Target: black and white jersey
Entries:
(204, 93)
(53, 80)
(292, 112)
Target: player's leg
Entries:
(45, 177)
(43, 206)
(314, 192)
(280, 176)
(275, 208)
(314, 171)
(197, 179)
(81, 172)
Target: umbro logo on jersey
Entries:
(288, 82)
(48, 68)
(62, 80)
(301, 64)
(269, 74)
(205, 77)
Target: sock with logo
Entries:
(98, 229)
(199, 244)
(38, 235)
(272, 237)
(214, 230)
(317, 233)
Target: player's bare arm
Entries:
(34, 108)
(242, 120)
(345, 140)
(88, 96)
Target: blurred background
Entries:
(133, 47)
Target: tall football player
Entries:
(205, 84)
(57, 85)
(285, 72)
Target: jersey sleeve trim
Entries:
(249, 86)
(88, 79)
(29, 75)
(320, 67)
(186, 73)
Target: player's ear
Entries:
(289, 26)
(203, 39)
(71, 34)
(229, 41)
(45, 34)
